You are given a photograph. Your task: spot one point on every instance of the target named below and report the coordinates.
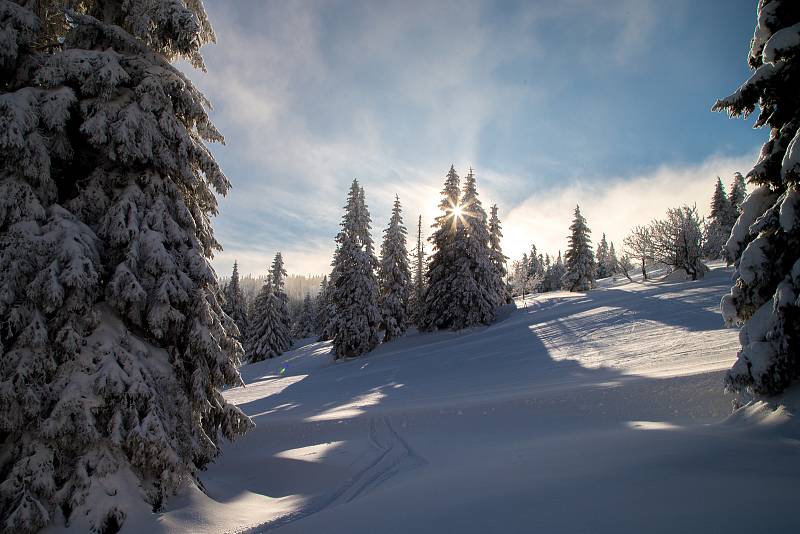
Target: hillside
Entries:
(596, 412)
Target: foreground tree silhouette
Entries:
(114, 344)
(765, 241)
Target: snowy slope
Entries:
(597, 412)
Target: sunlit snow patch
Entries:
(651, 425)
(260, 390)
(351, 409)
(312, 453)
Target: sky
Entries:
(602, 103)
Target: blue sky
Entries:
(602, 103)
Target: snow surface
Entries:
(595, 412)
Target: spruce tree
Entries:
(765, 242)
(737, 194)
(721, 218)
(442, 308)
(394, 276)
(720, 205)
(612, 266)
(326, 312)
(478, 286)
(114, 343)
(602, 258)
(496, 255)
(284, 326)
(305, 324)
(418, 295)
(268, 336)
(234, 304)
(355, 288)
(557, 272)
(579, 266)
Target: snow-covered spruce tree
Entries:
(496, 255)
(720, 222)
(326, 312)
(537, 270)
(677, 241)
(765, 241)
(355, 288)
(639, 243)
(278, 274)
(394, 276)
(418, 293)
(736, 196)
(114, 344)
(478, 286)
(612, 266)
(234, 304)
(556, 273)
(601, 258)
(442, 309)
(579, 267)
(304, 326)
(268, 336)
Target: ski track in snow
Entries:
(393, 456)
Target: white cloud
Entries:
(615, 206)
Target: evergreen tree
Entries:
(536, 271)
(284, 326)
(580, 266)
(478, 286)
(737, 195)
(720, 223)
(268, 336)
(720, 205)
(234, 304)
(612, 267)
(765, 242)
(114, 344)
(394, 276)
(496, 255)
(520, 277)
(557, 272)
(602, 258)
(441, 304)
(355, 289)
(305, 324)
(326, 311)
(418, 296)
